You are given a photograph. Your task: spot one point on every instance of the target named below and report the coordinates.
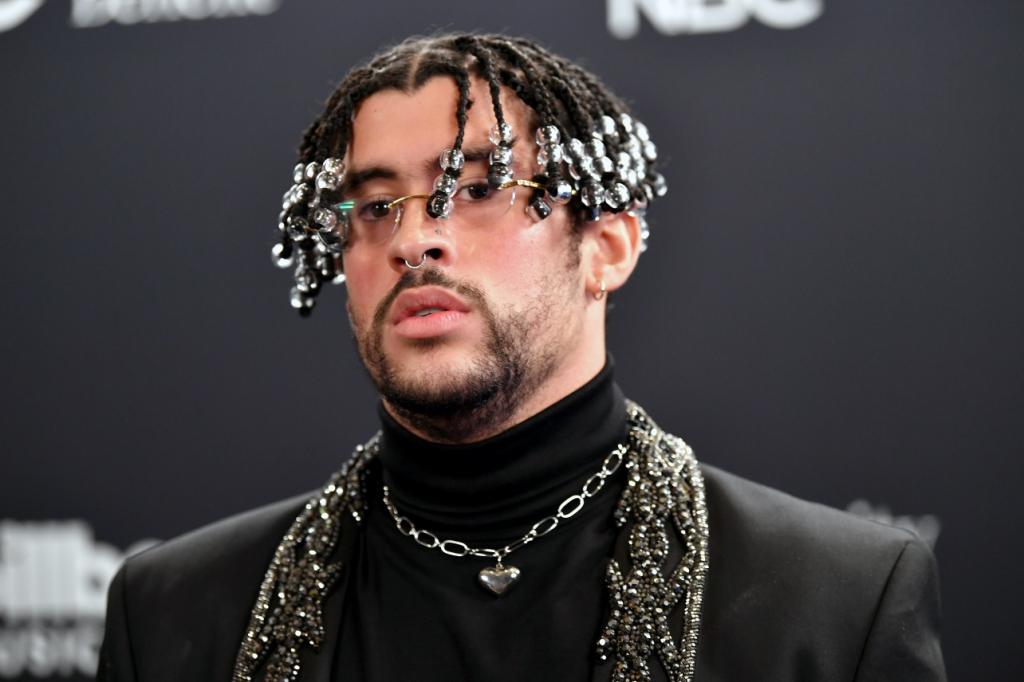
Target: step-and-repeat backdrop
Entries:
(831, 303)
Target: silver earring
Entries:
(597, 295)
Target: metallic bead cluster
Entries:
(439, 205)
(499, 169)
(610, 169)
(289, 608)
(312, 235)
(664, 496)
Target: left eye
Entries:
(477, 190)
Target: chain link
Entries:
(569, 507)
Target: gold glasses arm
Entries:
(399, 200)
(521, 183)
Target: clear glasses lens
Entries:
(374, 219)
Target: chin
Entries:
(433, 367)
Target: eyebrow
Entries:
(358, 177)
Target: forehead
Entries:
(401, 129)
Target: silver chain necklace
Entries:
(499, 578)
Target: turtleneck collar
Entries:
(515, 477)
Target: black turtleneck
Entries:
(412, 613)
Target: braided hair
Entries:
(593, 155)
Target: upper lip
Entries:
(411, 301)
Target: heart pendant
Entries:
(499, 578)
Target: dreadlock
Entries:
(593, 156)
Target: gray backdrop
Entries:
(830, 305)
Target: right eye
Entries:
(375, 210)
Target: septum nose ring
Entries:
(423, 259)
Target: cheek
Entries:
(362, 291)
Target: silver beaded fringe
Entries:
(664, 495)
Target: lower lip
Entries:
(435, 324)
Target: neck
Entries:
(512, 477)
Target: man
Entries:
(516, 517)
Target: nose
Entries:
(418, 236)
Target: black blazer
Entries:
(795, 591)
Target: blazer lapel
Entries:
(318, 666)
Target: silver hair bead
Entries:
(297, 227)
(560, 191)
(327, 181)
(282, 254)
(595, 148)
(334, 165)
(659, 185)
(577, 148)
(618, 196)
(439, 206)
(548, 135)
(645, 229)
(298, 173)
(539, 209)
(627, 122)
(650, 151)
(306, 280)
(501, 154)
(445, 184)
(631, 179)
(325, 218)
(301, 300)
(498, 174)
(585, 166)
(452, 159)
(641, 131)
(295, 195)
(500, 134)
(623, 162)
(556, 152)
(603, 165)
(312, 168)
(609, 129)
(591, 193)
(632, 146)
(551, 152)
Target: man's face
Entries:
(458, 346)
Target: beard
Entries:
(454, 407)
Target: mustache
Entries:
(433, 277)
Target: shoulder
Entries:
(181, 606)
(764, 517)
(226, 546)
(762, 536)
(814, 585)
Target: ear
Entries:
(611, 247)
